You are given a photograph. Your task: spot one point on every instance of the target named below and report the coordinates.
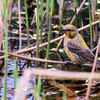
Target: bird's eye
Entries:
(72, 29)
(68, 30)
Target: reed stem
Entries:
(49, 35)
(41, 20)
(37, 37)
(27, 26)
(90, 21)
(6, 49)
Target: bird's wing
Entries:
(81, 54)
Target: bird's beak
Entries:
(62, 29)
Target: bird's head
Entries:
(70, 31)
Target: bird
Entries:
(75, 47)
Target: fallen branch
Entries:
(48, 74)
(77, 11)
(61, 75)
(33, 58)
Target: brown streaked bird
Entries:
(75, 47)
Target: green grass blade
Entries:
(90, 21)
(37, 37)
(6, 49)
(27, 25)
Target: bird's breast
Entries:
(79, 41)
(67, 51)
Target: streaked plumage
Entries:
(75, 46)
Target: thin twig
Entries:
(92, 73)
(33, 59)
(77, 11)
(94, 48)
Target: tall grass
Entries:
(90, 21)
(37, 37)
(47, 10)
(41, 20)
(64, 96)
(37, 89)
(48, 47)
(75, 5)
(42, 9)
(27, 26)
(60, 13)
(19, 19)
(49, 35)
(6, 49)
(15, 72)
